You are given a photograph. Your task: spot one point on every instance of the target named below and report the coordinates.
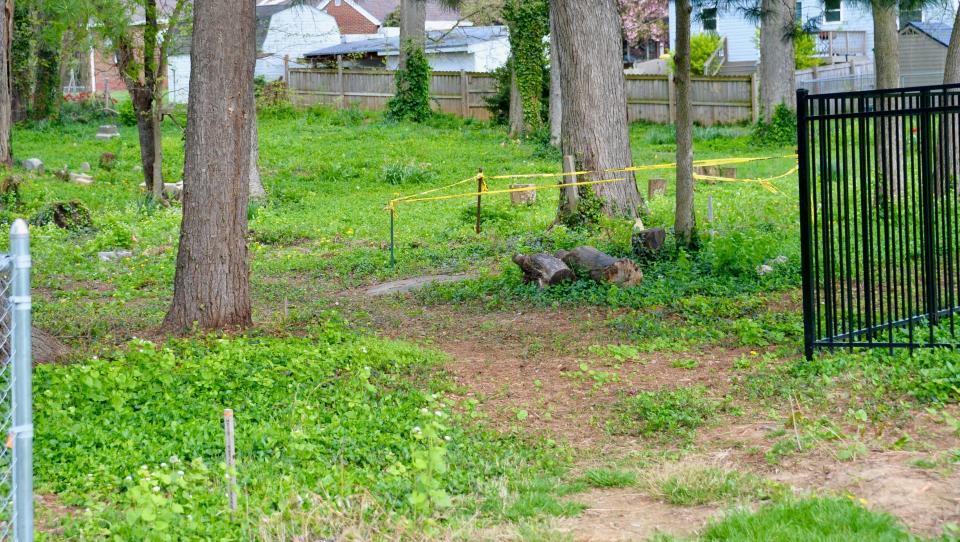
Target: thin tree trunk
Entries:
(685, 222)
(156, 121)
(147, 132)
(556, 104)
(777, 60)
(256, 184)
(951, 72)
(516, 105)
(890, 137)
(6, 89)
(212, 281)
(595, 129)
(413, 19)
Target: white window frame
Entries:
(840, 11)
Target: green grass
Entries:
(609, 478)
(810, 520)
(333, 414)
(695, 485)
(668, 414)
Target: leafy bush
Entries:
(780, 131)
(804, 50)
(412, 98)
(127, 115)
(701, 47)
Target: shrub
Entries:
(780, 131)
(127, 115)
(701, 47)
(804, 50)
(412, 98)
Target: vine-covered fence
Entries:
(716, 100)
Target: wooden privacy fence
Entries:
(716, 100)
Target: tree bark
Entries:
(777, 59)
(22, 50)
(212, 281)
(255, 185)
(543, 269)
(951, 72)
(685, 222)
(46, 96)
(413, 20)
(6, 88)
(147, 132)
(595, 129)
(516, 105)
(602, 267)
(890, 137)
(556, 103)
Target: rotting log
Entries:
(543, 269)
(602, 267)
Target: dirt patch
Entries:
(616, 515)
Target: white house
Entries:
(284, 29)
(470, 48)
(845, 27)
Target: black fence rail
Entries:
(879, 216)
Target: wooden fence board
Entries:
(716, 100)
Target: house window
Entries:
(800, 13)
(709, 18)
(831, 11)
(910, 16)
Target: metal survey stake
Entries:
(230, 458)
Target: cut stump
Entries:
(543, 269)
(602, 267)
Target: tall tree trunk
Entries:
(6, 89)
(890, 137)
(556, 104)
(256, 184)
(685, 222)
(147, 130)
(595, 129)
(212, 283)
(413, 20)
(516, 105)
(46, 96)
(951, 72)
(21, 53)
(777, 60)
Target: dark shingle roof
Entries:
(458, 38)
(938, 32)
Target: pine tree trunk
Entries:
(595, 129)
(212, 282)
(413, 20)
(256, 184)
(777, 60)
(6, 88)
(516, 105)
(685, 222)
(951, 72)
(890, 137)
(556, 103)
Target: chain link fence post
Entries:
(22, 430)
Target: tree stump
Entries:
(648, 243)
(526, 197)
(728, 172)
(602, 267)
(543, 269)
(656, 188)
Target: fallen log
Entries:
(543, 269)
(602, 267)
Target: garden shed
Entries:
(923, 53)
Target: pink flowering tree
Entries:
(643, 20)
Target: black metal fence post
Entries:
(806, 209)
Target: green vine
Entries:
(412, 99)
(529, 23)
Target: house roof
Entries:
(939, 32)
(381, 8)
(458, 39)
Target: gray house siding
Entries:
(922, 58)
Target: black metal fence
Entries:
(879, 217)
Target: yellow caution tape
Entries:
(505, 191)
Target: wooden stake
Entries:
(479, 190)
(230, 457)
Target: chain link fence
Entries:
(16, 400)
